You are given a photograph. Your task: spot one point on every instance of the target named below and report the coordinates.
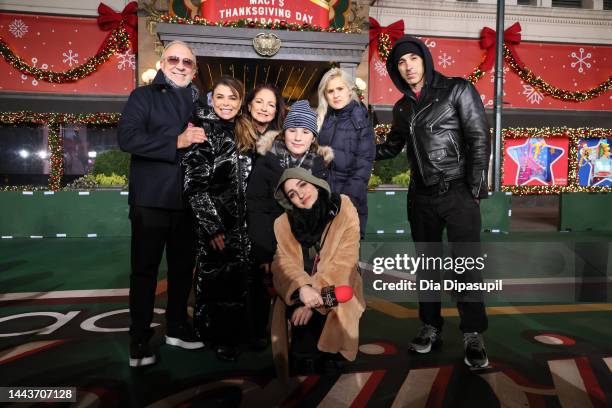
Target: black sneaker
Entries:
(427, 338)
(141, 355)
(475, 353)
(184, 337)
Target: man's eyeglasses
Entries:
(174, 60)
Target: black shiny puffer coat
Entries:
(215, 183)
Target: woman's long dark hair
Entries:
(244, 130)
(281, 107)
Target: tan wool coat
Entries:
(338, 265)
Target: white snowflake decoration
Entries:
(430, 43)
(486, 103)
(380, 68)
(533, 96)
(445, 60)
(581, 60)
(126, 60)
(18, 28)
(70, 58)
(34, 62)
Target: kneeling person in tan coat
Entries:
(318, 246)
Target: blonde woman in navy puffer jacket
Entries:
(345, 127)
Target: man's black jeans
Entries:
(455, 209)
(154, 229)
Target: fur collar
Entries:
(266, 142)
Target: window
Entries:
(83, 144)
(567, 3)
(24, 154)
(524, 2)
(607, 4)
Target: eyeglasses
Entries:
(174, 60)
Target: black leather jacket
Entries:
(446, 134)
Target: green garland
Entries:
(244, 23)
(118, 41)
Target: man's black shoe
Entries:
(427, 338)
(184, 337)
(475, 353)
(141, 355)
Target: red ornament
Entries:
(512, 37)
(109, 20)
(251, 24)
(395, 31)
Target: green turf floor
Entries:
(96, 362)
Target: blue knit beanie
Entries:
(301, 115)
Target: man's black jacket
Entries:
(151, 121)
(446, 132)
(445, 129)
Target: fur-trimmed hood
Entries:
(269, 141)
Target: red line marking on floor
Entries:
(590, 381)
(368, 389)
(438, 389)
(162, 286)
(518, 378)
(294, 399)
(48, 345)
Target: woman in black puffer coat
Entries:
(346, 128)
(216, 174)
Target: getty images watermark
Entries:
(467, 268)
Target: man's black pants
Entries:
(457, 211)
(153, 230)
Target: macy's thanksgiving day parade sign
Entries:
(311, 12)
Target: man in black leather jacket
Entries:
(442, 123)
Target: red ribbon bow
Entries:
(512, 37)
(394, 31)
(109, 20)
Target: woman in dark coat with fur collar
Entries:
(216, 174)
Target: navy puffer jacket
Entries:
(350, 134)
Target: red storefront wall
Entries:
(59, 44)
(573, 67)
